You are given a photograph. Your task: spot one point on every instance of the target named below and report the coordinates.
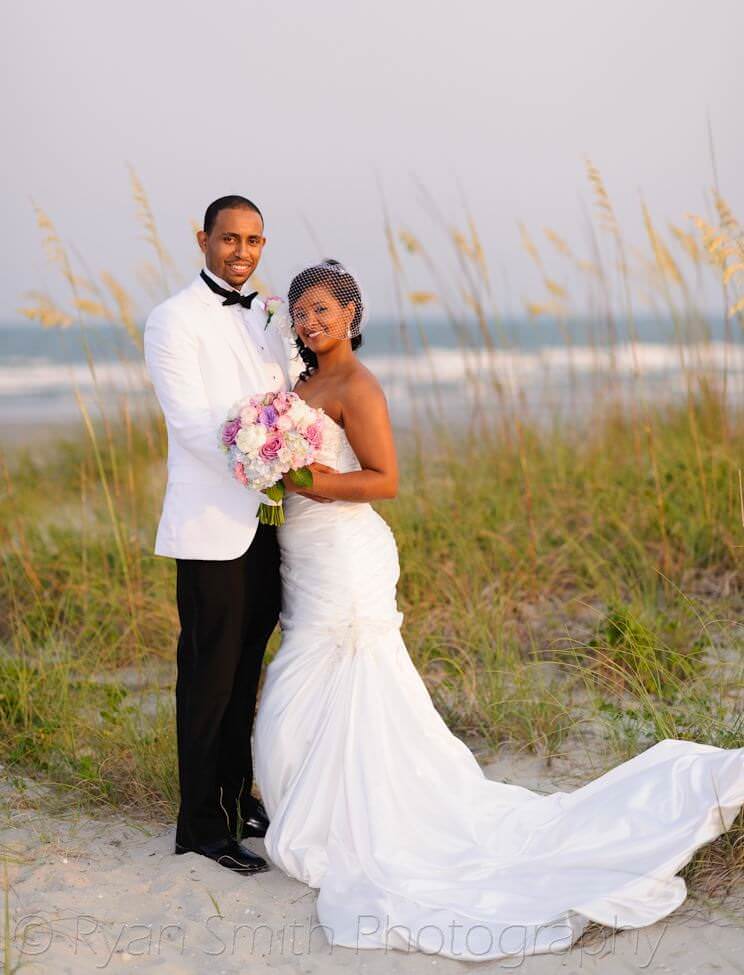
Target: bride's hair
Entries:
(344, 289)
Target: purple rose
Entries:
(272, 447)
(230, 432)
(267, 416)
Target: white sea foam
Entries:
(548, 380)
(524, 366)
(27, 377)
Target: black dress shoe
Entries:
(228, 853)
(257, 822)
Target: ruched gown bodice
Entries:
(376, 803)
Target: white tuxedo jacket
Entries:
(200, 361)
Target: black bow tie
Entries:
(231, 297)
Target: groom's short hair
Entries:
(227, 203)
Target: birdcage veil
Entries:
(327, 297)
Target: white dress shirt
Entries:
(248, 322)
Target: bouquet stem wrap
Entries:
(272, 512)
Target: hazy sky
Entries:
(305, 106)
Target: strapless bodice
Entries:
(336, 451)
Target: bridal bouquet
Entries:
(268, 436)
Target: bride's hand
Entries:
(322, 468)
(292, 488)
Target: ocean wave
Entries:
(454, 365)
(25, 376)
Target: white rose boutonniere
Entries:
(272, 304)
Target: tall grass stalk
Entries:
(576, 580)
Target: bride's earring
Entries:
(348, 333)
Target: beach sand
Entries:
(101, 893)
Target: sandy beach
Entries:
(92, 893)
(524, 224)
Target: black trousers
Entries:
(228, 610)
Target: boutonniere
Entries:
(272, 304)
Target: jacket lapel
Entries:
(227, 330)
(279, 347)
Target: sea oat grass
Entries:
(561, 583)
(515, 626)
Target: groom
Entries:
(205, 348)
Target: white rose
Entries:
(293, 441)
(298, 411)
(250, 439)
(248, 415)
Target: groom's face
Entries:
(232, 248)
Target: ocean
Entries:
(425, 367)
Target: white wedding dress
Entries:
(376, 803)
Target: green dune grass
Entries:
(562, 585)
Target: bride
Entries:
(371, 798)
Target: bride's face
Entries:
(320, 319)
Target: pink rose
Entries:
(272, 447)
(283, 423)
(281, 403)
(314, 436)
(248, 415)
(230, 431)
(239, 472)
